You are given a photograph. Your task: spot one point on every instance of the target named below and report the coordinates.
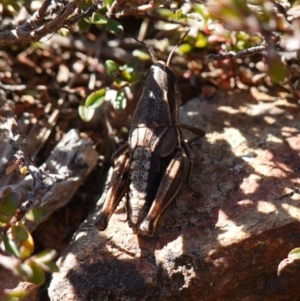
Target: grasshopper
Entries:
(150, 167)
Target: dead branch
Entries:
(13, 87)
(89, 11)
(35, 28)
(138, 10)
(232, 54)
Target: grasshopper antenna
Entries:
(153, 57)
(178, 43)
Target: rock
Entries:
(223, 244)
(73, 155)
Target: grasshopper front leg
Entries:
(117, 188)
(168, 189)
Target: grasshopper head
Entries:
(160, 77)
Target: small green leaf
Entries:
(164, 12)
(28, 244)
(24, 253)
(185, 48)
(12, 5)
(4, 220)
(19, 232)
(8, 203)
(31, 92)
(36, 214)
(141, 55)
(10, 246)
(124, 130)
(117, 83)
(293, 256)
(24, 270)
(112, 68)
(240, 45)
(277, 70)
(130, 75)
(178, 13)
(114, 27)
(109, 2)
(84, 24)
(134, 77)
(202, 11)
(125, 75)
(193, 16)
(95, 99)
(98, 19)
(13, 293)
(64, 31)
(86, 113)
(51, 267)
(129, 68)
(295, 253)
(241, 5)
(110, 25)
(201, 41)
(45, 256)
(38, 275)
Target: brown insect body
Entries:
(153, 137)
(150, 167)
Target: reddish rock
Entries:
(223, 244)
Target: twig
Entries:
(31, 30)
(86, 13)
(43, 10)
(139, 10)
(27, 4)
(13, 87)
(276, 9)
(232, 54)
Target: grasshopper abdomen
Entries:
(145, 176)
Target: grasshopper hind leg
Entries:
(145, 177)
(168, 189)
(117, 187)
